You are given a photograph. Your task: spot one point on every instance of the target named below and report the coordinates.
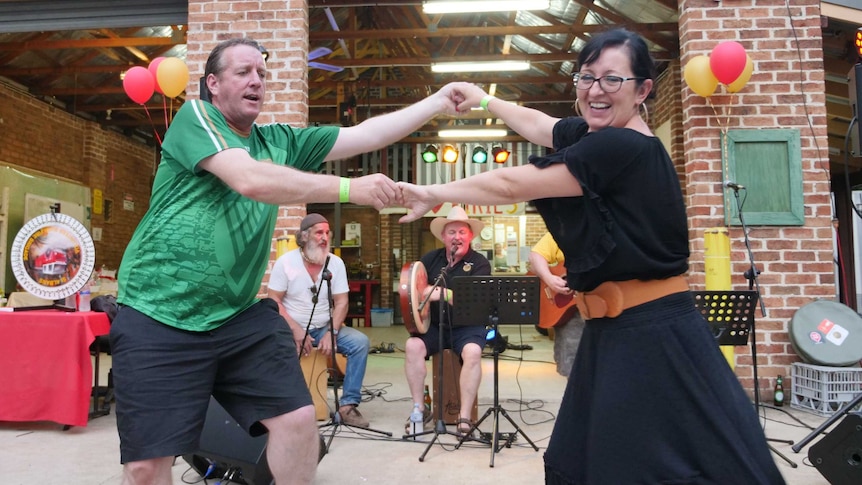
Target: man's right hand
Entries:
(303, 343)
(376, 190)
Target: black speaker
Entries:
(227, 449)
(838, 456)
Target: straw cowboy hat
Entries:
(456, 214)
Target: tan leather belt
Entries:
(610, 298)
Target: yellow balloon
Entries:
(699, 76)
(173, 76)
(743, 78)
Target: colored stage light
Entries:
(450, 154)
(480, 155)
(501, 155)
(430, 154)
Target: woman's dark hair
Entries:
(214, 64)
(642, 63)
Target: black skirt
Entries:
(652, 400)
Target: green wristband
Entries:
(344, 190)
(484, 103)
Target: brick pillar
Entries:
(282, 28)
(786, 90)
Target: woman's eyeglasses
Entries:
(609, 84)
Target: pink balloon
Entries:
(154, 70)
(139, 84)
(727, 61)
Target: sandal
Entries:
(466, 428)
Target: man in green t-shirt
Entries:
(190, 325)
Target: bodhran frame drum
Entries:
(414, 280)
(825, 332)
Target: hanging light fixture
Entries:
(500, 154)
(450, 154)
(429, 155)
(480, 155)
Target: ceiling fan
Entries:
(318, 53)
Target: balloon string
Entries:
(147, 111)
(165, 111)
(722, 128)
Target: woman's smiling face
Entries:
(601, 108)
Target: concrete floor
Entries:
(529, 392)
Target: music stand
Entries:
(730, 315)
(336, 421)
(512, 300)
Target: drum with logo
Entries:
(828, 333)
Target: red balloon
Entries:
(154, 70)
(139, 84)
(727, 61)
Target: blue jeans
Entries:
(354, 345)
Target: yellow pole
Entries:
(284, 244)
(716, 265)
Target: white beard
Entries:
(316, 253)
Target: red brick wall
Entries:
(796, 261)
(282, 28)
(47, 139)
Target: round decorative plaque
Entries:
(53, 256)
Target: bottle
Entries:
(427, 400)
(84, 298)
(779, 392)
(417, 420)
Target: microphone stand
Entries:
(751, 275)
(336, 420)
(439, 424)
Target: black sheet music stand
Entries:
(497, 300)
(730, 314)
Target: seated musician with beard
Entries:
(298, 285)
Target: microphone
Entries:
(733, 185)
(326, 274)
(452, 254)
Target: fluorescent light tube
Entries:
(473, 133)
(489, 66)
(464, 6)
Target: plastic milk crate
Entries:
(823, 390)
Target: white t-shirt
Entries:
(289, 275)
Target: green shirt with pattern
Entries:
(199, 254)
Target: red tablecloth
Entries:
(45, 368)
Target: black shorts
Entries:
(163, 378)
(453, 338)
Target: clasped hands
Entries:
(379, 191)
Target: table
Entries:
(45, 369)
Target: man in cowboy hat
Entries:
(456, 258)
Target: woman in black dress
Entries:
(650, 399)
